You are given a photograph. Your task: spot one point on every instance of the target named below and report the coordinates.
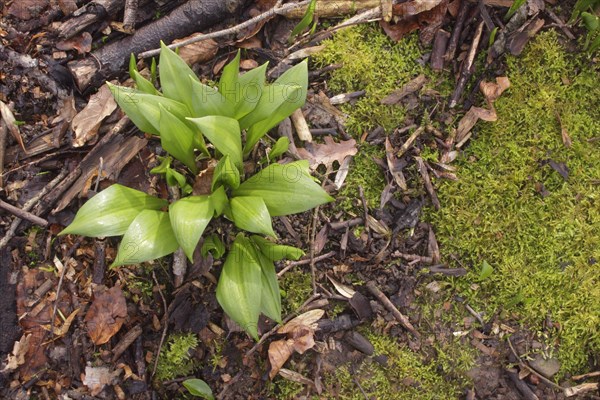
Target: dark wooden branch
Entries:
(87, 15)
(193, 16)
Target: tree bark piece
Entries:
(193, 16)
(87, 15)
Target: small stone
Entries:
(545, 366)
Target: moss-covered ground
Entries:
(538, 231)
(510, 208)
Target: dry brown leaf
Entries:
(279, 352)
(17, 357)
(198, 52)
(106, 314)
(394, 165)
(62, 331)
(96, 378)
(411, 87)
(414, 7)
(86, 123)
(342, 289)
(82, 43)
(11, 124)
(327, 153)
(491, 91)
(306, 319)
(296, 377)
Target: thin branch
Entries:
(234, 29)
(23, 214)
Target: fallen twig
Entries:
(165, 321)
(234, 29)
(29, 205)
(427, 180)
(467, 67)
(409, 142)
(403, 319)
(526, 366)
(23, 214)
(306, 261)
(3, 133)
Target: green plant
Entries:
(586, 9)
(198, 388)
(513, 9)
(176, 359)
(187, 114)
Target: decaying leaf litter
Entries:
(84, 330)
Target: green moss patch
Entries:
(405, 376)
(514, 210)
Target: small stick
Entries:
(305, 261)
(560, 24)
(126, 341)
(361, 193)
(3, 134)
(581, 389)
(403, 319)
(414, 257)
(458, 27)
(165, 322)
(525, 365)
(467, 67)
(522, 386)
(302, 129)
(234, 29)
(23, 214)
(346, 224)
(411, 139)
(313, 235)
(427, 180)
(586, 376)
(29, 205)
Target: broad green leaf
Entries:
(148, 237)
(306, 20)
(228, 84)
(177, 139)
(226, 173)
(296, 80)
(174, 76)
(110, 212)
(273, 97)
(224, 133)
(280, 147)
(285, 189)
(219, 201)
(270, 301)
(213, 244)
(250, 90)
(486, 271)
(580, 6)
(198, 388)
(251, 214)
(240, 285)
(189, 218)
(144, 109)
(207, 100)
(276, 252)
(590, 21)
(132, 65)
(144, 85)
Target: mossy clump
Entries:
(296, 288)
(512, 208)
(175, 359)
(374, 63)
(364, 172)
(406, 376)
